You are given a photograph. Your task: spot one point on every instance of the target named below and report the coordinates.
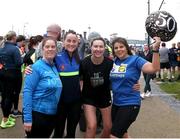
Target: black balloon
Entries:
(161, 24)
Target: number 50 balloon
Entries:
(161, 24)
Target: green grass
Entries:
(171, 87)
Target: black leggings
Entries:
(18, 85)
(122, 118)
(71, 113)
(7, 79)
(42, 125)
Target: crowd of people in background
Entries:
(65, 74)
(169, 65)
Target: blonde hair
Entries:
(10, 35)
(7, 37)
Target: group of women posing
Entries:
(54, 101)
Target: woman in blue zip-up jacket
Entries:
(69, 107)
(41, 94)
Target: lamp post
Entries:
(12, 27)
(89, 28)
(24, 26)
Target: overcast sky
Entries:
(125, 17)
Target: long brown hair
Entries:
(124, 42)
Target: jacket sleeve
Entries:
(30, 84)
(17, 57)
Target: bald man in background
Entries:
(54, 31)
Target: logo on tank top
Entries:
(118, 70)
(122, 68)
(97, 79)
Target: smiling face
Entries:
(71, 42)
(120, 50)
(49, 49)
(97, 48)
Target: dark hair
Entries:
(163, 44)
(69, 32)
(39, 38)
(107, 42)
(75, 53)
(46, 39)
(124, 42)
(20, 38)
(98, 38)
(32, 41)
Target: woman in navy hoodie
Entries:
(10, 65)
(69, 107)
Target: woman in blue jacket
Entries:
(125, 73)
(41, 94)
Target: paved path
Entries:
(157, 119)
